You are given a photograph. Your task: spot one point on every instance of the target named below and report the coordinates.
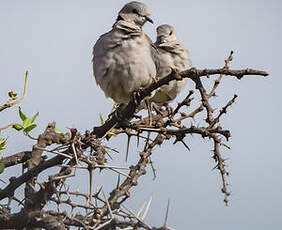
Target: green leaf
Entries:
(12, 95)
(29, 128)
(2, 144)
(2, 140)
(22, 116)
(26, 122)
(34, 117)
(18, 127)
(111, 134)
(103, 122)
(58, 130)
(2, 166)
(101, 119)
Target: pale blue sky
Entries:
(54, 39)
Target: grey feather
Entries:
(122, 58)
(171, 54)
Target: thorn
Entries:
(183, 142)
(149, 108)
(104, 224)
(166, 214)
(141, 209)
(215, 167)
(97, 193)
(74, 152)
(147, 207)
(118, 181)
(136, 217)
(109, 207)
(90, 170)
(119, 172)
(138, 139)
(127, 147)
(147, 141)
(153, 169)
(109, 155)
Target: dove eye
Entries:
(135, 11)
(170, 33)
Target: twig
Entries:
(8, 126)
(9, 103)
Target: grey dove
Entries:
(124, 59)
(171, 54)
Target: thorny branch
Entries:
(88, 152)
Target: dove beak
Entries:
(161, 39)
(149, 19)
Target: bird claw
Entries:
(168, 108)
(136, 97)
(156, 79)
(156, 108)
(176, 73)
(118, 114)
(122, 122)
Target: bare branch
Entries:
(17, 158)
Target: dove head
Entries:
(165, 34)
(135, 12)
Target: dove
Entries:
(171, 55)
(124, 59)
